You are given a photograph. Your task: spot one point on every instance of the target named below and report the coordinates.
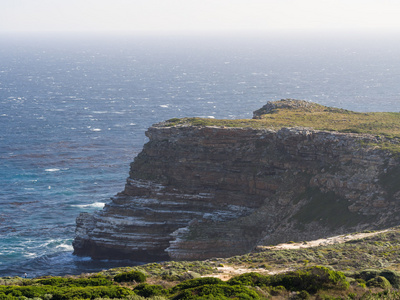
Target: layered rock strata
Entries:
(201, 192)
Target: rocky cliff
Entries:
(196, 192)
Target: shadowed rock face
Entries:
(201, 192)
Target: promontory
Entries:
(204, 188)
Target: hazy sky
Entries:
(199, 15)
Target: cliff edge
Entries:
(205, 188)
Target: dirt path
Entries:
(227, 272)
(323, 242)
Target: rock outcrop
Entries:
(200, 192)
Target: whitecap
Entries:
(52, 170)
(100, 112)
(65, 246)
(30, 255)
(95, 129)
(164, 105)
(132, 124)
(206, 117)
(95, 205)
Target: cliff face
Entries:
(201, 192)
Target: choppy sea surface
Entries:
(74, 109)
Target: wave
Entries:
(206, 117)
(52, 170)
(95, 205)
(65, 247)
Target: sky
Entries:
(199, 15)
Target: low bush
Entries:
(149, 290)
(367, 274)
(191, 283)
(392, 276)
(276, 290)
(130, 276)
(302, 295)
(61, 281)
(311, 280)
(65, 293)
(250, 279)
(379, 282)
(217, 291)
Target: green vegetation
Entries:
(358, 269)
(319, 117)
(130, 276)
(380, 251)
(63, 293)
(316, 282)
(311, 280)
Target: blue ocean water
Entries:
(74, 109)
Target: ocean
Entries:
(74, 110)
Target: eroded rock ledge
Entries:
(200, 192)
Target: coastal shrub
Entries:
(191, 283)
(367, 274)
(302, 295)
(8, 280)
(61, 281)
(189, 275)
(170, 276)
(25, 291)
(276, 290)
(149, 290)
(311, 280)
(392, 276)
(250, 279)
(217, 291)
(379, 282)
(65, 293)
(130, 276)
(137, 297)
(91, 292)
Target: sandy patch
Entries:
(323, 242)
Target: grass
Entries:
(296, 113)
(319, 117)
